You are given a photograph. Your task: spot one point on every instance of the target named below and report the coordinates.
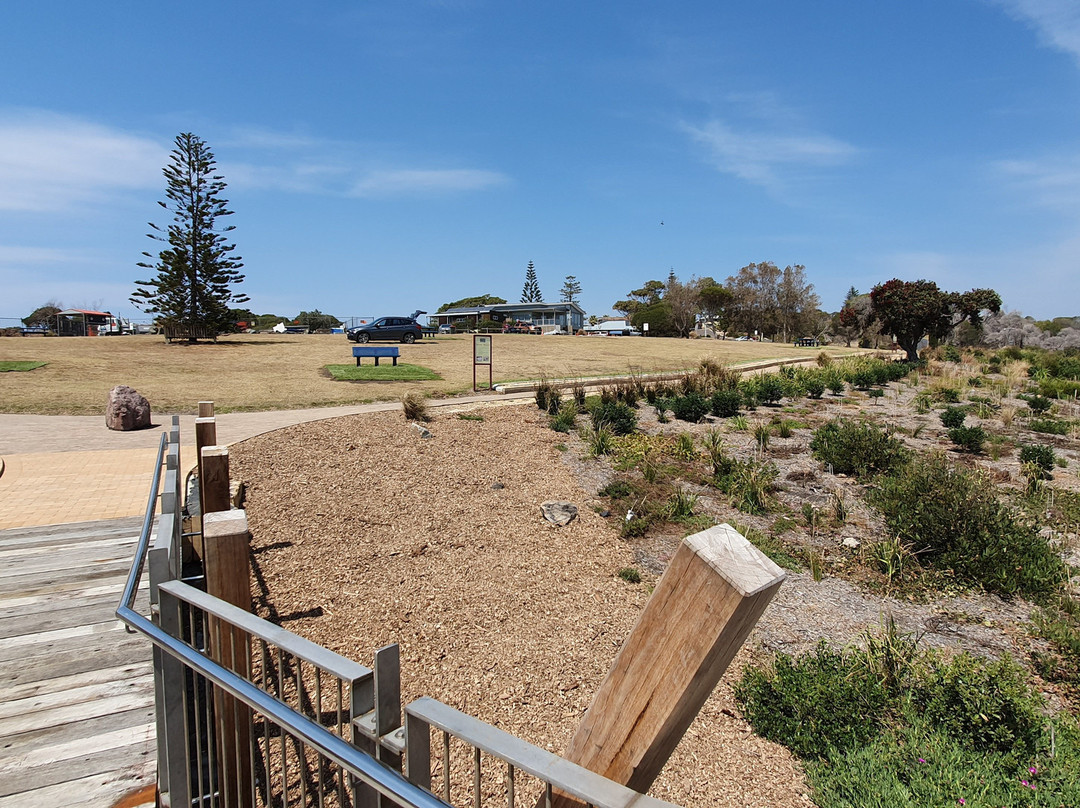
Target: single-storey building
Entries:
(82, 322)
(568, 317)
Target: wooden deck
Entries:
(76, 692)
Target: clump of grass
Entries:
(739, 423)
(600, 440)
(469, 416)
(414, 405)
(630, 574)
(762, 431)
(564, 417)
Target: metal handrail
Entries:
(382, 779)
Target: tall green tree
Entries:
(531, 291)
(43, 315)
(570, 291)
(470, 302)
(197, 271)
(910, 310)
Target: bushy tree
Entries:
(196, 272)
(471, 302)
(530, 293)
(910, 310)
(316, 321)
(648, 295)
(571, 290)
(43, 315)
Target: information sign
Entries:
(481, 356)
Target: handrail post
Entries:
(702, 610)
(214, 477)
(228, 577)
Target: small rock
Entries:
(126, 409)
(605, 513)
(497, 486)
(422, 430)
(559, 513)
(851, 543)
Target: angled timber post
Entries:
(214, 480)
(228, 577)
(701, 612)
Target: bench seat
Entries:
(376, 352)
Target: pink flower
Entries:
(961, 801)
(922, 760)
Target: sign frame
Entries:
(482, 351)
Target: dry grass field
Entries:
(247, 372)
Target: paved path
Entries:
(72, 468)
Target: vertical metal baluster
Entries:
(446, 765)
(284, 760)
(509, 785)
(264, 661)
(476, 777)
(218, 791)
(341, 732)
(547, 795)
(301, 750)
(318, 720)
(199, 691)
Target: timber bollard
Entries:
(214, 479)
(699, 615)
(226, 563)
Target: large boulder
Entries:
(126, 409)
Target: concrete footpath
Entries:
(71, 468)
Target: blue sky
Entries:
(384, 157)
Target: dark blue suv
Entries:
(390, 329)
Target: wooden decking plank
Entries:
(68, 558)
(70, 681)
(89, 728)
(54, 534)
(14, 769)
(117, 775)
(100, 611)
(90, 595)
(17, 580)
(70, 714)
(110, 545)
(99, 652)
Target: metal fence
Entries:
(250, 714)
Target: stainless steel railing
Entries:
(309, 727)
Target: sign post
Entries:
(481, 356)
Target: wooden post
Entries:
(205, 435)
(215, 479)
(228, 577)
(702, 610)
(206, 409)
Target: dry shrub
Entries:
(414, 405)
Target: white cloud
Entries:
(421, 181)
(767, 159)
(51, 162)
(1057, 22)
(1051, 181)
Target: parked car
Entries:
(389, 329)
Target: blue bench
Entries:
(375, 351)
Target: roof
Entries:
(85, 311)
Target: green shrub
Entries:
(619, 418)
(814, 386)
(857, 448)
(564, 417)
(1049, 426)
(952, 417)
(862, 379)
(691, 407)
(815, 704)
(1038, 404)
(1040, 456)
(968, 438)
(630, 575)
(986, 705)
(836, 384)
(952, 519)
(617, 489)
(770, 388)
(950, 353)
(725, 403)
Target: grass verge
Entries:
(6, 367)
(401, 372)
